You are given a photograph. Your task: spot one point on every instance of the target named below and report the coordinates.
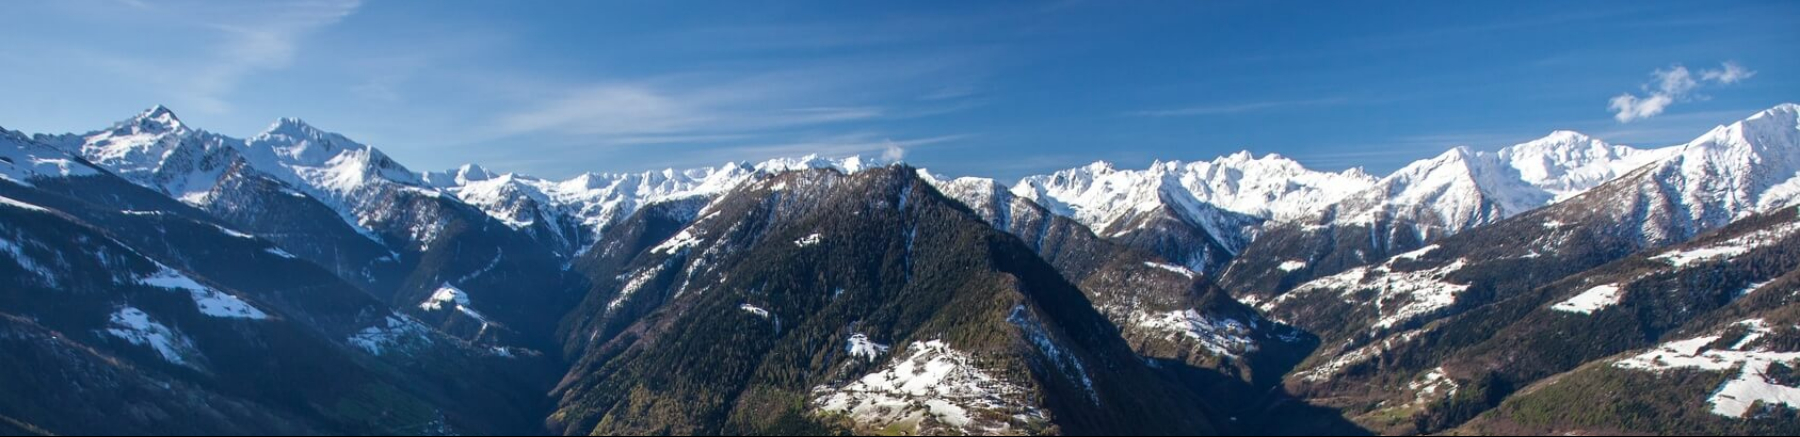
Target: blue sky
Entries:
(1000, 89)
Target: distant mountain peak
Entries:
(1787, 108)
(158, 112)
(292, 127)
(474, 170)
(850, 164)
(1561, 141)
(1563, 135)
(158, 119)
(1242, 156)
(461, 175)
(1452, 163)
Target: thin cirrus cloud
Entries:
(889, 148)
(242, 39)
(1238, 108)
(265, 45)
(1673, 85)
(688, 105)
(643, 112)
(857, 144)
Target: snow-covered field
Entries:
(395, 333)
(931, 381)
(860, 346)
(135, 327)
(1354, 357)
(1400, 296)
(1222, 337)
(1728, 249)
(210, 302)
(1747, 355)
(1594, 299)
(1183, 271)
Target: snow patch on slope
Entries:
(17, 253)
(1355, 357)
(859, 346)
(1594, 299)
(1728, 249)
(394, 334)
(682, 241)
(211, 302)
(1752, 359)
(932, 381)
(135, 327)
(1183, 271)
(1400, 296)
(8, 201)
(754, 310)
(1222, 337)
(1434, 385)
(448, 296)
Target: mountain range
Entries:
(164, 279)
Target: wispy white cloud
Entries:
(1672, 85)
(263, 42)
(950, 92)
(893, 153)
(857, 144)
(1238, 108)
(1729, 73)
(776, 103)
(231, 42)
(622, 110)
(891, 148)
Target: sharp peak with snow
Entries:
(292, 130)
(292, 126)
(1789, 109)
(1562, 136)
(1779, 119)
(155, 120)
(160, 113)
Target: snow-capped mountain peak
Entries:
(1270, 187)
(852, 164)
(137, 147)
(1225, 200)
(599, 199)
(1462, 188)
(305, 155)
(22, 159)
(157, 119)
(1735, 170)
(299, 142)
(1567, 163)
(463, 175)
(1459, 189)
